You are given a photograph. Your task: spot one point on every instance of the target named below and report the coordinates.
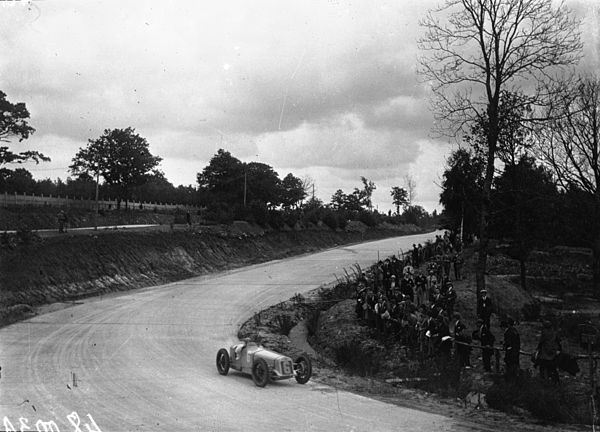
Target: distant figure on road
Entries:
(62, 221)
(188, 218)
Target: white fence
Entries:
(15, 199)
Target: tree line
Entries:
(505, 84)
(119, 165)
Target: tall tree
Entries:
(18, 180)
(524, 209)
(461, 191)
(339, 199)
(570, 147)
(366, 193)
(292, 191)
(263, 186)
(223, 179)
(14, 123)
(308, 184)
(399, 197)
(473, 50)
(121, 157)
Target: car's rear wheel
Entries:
(260, 373)
(223, 362)
(303, 368)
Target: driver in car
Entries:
(239, 347)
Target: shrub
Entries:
(276, 219)
(531, 311)
(25, 235)
(312, 322)
(545, 400)
(284, 323)
(363, 359)
(367, 218)
(331, 219)
(291, 217)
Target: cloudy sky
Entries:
(326, 89)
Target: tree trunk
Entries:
(492, 140)
(596, 264)
(480, 269)
(596, 243)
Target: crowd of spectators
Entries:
(412, 299)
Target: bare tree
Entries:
(570, 146)
(411, 189)
(308, 185)
(473, 51)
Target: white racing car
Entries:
(264, 365)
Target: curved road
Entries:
(145, 360)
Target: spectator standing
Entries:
(458, 265)
(450, 298)
(421, 289)
(487, 339)
(512, 347)
(415, 256)
(62, 221)
(463, 351)
(407, 287)
(485, 307)
(548, 350)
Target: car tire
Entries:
(223, 361)
(260, 372)
(303, 368)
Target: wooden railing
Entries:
(7, 199)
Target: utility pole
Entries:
(313, 194)
(245, 186)
(462, 214)
(96, 212)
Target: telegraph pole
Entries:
(96, 212)
(245, 186)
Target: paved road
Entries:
(144, 360)
(53, 232)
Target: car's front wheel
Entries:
(223, 361)
(260, 373)
(303, 367)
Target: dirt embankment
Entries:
(350, 355)
(69, 267)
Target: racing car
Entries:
(264, 365)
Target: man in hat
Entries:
(484, 307)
